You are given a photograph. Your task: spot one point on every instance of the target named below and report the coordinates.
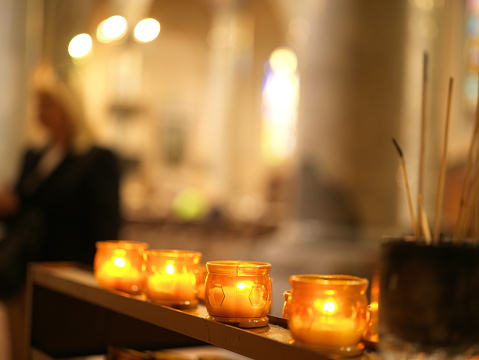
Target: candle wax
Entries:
(328, 331)
(237, 302)
(123, 278)
(171, 287)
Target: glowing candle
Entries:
(287, 297)
(372, 334)
(172, 277)
(328, 311)
(118, 265)
(238, 292)
(201, 282)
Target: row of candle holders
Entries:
(325, 311)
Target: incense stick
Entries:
(475, 220)
(469, 208)
(475, 229)
(407, 189)
(461, 224)
(424, 223)
(442, 170)
(422, 150)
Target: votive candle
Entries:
(328, 311)
(118, 265)
(238, 292)
(171, 277)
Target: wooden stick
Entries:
(460, 226)
(442, 170)
(407, 189)
(475, 212)
(422, 150)
(469, 207)
(424, 224)
(476, 225)
(475, 221)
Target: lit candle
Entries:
(287, 297)
(238, 292)
(171, 277)
(372, 334)
(328, 311)
(243, 300)
(327, 328)
(118, 265)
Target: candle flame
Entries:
(241, 285)
(329, 307)
(119, 262)
(170, 269)
(244, 285)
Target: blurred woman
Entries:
(66, 196)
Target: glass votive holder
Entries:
(201, 282)
(118, 265)
(371, 335)
(287, 298)
(238, 292)
(171, 277)
(328, 312)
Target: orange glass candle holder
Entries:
(118, 265)
(171, 277)
(287, 297)
(201, 282)
(238, 292)
(328, 312)
(371, 335)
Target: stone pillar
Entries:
(12, 86)
(360, 79)
(352, 96)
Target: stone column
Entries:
(12, 86)
(354, 100)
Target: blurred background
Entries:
(256, 129)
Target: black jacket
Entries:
(78, 203)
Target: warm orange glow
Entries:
(334, 320)
(170, 269)
(243, 285)
(242, 300)
(329, 307)
(287, 299)
(238, 291)
(119, 265)
(172, 289)
(171, 276)
(119, 262)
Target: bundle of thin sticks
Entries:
(469, 210)
(468, 218)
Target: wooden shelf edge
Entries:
(36, 354)
(271, 342)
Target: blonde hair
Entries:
(45, 81)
